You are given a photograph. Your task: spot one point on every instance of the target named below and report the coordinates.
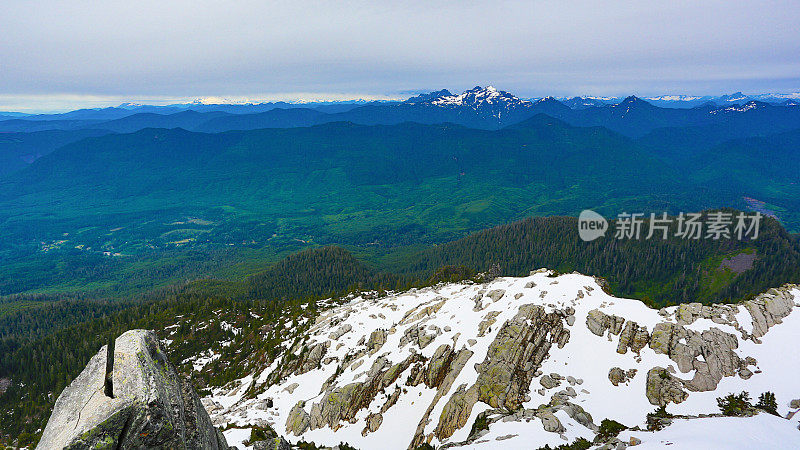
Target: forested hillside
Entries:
(660, 272)
(125, 213)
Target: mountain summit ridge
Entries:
(532, 360)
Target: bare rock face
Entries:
(341, 331)
(722, 314)
(496, 294)
(548, 382)
(521, 345)
(766, 310)
(308, 359)
(438, 366)
(134, 399)
(312, 359)
(418, 336)
(276, 443)
(374, 421)
(298, 420)
(544, 413)
(457, 410)
(550, 422)
(446, 365)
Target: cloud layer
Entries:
(177, 49)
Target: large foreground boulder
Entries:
(134, 399)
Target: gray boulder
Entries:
(662, 388)
(598, 322)
(134, 399)
(617, 376)
(548, 382)
(496, 294)
(550, 422)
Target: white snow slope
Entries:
(449, 312)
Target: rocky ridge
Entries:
(537, 359)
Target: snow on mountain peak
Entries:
(478, 97)
(735, 97)
(674, 98)
(752, 104)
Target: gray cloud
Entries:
(154, 49)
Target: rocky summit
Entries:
(130, 397)
(519, 363)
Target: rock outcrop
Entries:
(710, 353)
(662, 388)
(376, 340)
(768, 309)
(598, 322)
(341, 404)
(618, 376)
(134, 399)
(505, 375)
(633, 337)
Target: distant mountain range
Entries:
(689, 101)
(480, 107)
(441, 98)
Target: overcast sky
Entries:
(65, 54)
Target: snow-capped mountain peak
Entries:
(478, 97)
(674, 98)
(546, 100)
